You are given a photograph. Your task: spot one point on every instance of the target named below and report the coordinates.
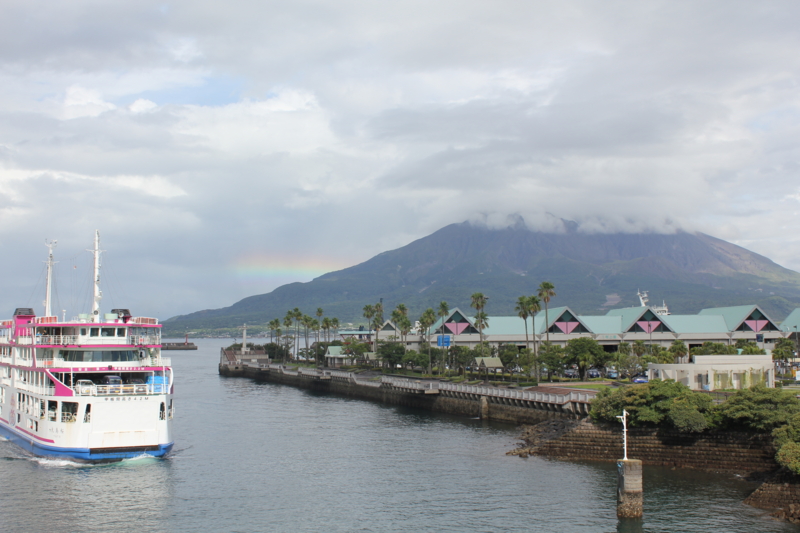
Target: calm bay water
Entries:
(262, 457)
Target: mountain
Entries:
(591, 272)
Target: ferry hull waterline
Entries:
(94, 388)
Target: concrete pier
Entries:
(629, 488)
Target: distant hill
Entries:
(591, 272)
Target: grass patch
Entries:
(590, 386)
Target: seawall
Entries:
(509, 405)
(745, 454)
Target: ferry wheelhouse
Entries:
(93, 388)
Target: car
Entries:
(112, 384)
(613, 375)
(593, 373)
(571, 373)
(640, 379)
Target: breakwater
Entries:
(529, 406)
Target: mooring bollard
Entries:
(629, 479)
(629, 488)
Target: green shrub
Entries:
(789, 456)
(756, 409)
(657, 403)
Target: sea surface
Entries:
(262, 457)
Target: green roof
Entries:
(733, 315)
(334, 351)
(791, 322)
(603, 324)
(695, 323)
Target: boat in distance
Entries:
(94, 388)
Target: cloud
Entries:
(195, 133)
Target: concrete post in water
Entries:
(484, 408)
(629, 479)
(629, 488)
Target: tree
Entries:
(757, 409)
(546, 291)
(335, 326)
(638, 348)
(391, 354)
(298, 316)
(551, 357)
(378, 319)
(783, 351)
(288, 320)
(478, 301)
(509, 355)
(679, 350)
(654, 404)
(624, 348)
(584, 352)
(534, 306)
(482, 321)
(273, 325)
(369, 313)
(443, 311)
(425, 322)
(326, 327)
(523, 311)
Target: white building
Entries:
(711, 372)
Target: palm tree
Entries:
(405, 327)
(273, 325)
(335, 326)
(298, 316)
(444, 310)
(326, 327)
(523, 309)
(425, 322)
(287, 323)
(546, 291)
(369, 312)
(478, 301)
(679, 350)
(534, 306)
(320, 312)
(379, 318)
(306, 321)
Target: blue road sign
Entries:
(443, 341)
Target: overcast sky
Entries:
(225, 148)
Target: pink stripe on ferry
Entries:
(3, 420)
(34, 436)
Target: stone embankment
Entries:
(780, 494)
(748, 455)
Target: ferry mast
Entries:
(98, 294)
(49, 283)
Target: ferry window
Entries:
(120, 332)
(87, 416)
(52, 407)
(83, 331)
(94, 332)
(69, 410)
(107, 332)
(162, 412)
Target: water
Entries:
(263, 457)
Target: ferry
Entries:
(94, 388)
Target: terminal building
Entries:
(653, 325)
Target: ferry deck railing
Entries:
(127, 389)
